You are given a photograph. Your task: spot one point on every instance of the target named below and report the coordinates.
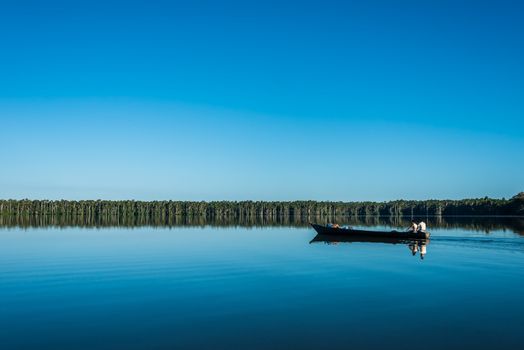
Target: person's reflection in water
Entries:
(413, 247)
(422, 250)
(418, 247)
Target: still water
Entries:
(259, 287)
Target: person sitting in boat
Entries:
(413, 227)
(334, 225)
(421, 227)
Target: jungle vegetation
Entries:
(164, 210)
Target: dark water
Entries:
(259, 287)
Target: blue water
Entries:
(256, 288)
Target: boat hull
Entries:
(325, 230)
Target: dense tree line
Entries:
(163, 210)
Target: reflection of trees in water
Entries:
(485, 224)
(476, 223)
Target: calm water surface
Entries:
(257, 288)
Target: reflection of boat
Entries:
(415, 245)
(326, 238)
(341, 231)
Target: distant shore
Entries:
(213, 209)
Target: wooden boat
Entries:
(341, 231)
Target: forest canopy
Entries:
(213, 209)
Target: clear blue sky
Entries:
(272, 100)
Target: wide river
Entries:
(260, 287)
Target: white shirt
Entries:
(422, 226)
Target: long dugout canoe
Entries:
(326, 230)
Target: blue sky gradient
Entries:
(369, 100)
